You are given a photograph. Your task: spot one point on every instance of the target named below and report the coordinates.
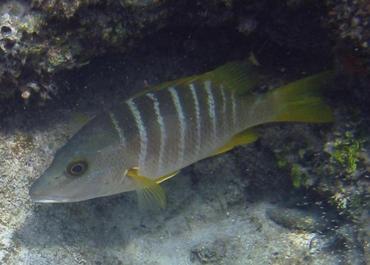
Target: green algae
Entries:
(292, 159)
(346, 152)
(299, 176)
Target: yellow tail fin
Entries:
(299, 101)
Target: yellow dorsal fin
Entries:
(240, 76)
(246, 137)
(150, 193)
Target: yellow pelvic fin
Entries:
(149, 190)
(166, 177)
(246, 137)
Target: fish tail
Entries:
(299, 101)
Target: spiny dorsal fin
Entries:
(79, 119)
(253, 59)
(240, 76)
(150, 193)
(237, 76)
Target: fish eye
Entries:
(77, 168)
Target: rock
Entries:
(351, 23)
(298, 219)
(209, 253)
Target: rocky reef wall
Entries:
(41, 38)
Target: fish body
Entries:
(172, 128)
(146, 139)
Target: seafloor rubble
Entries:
(299, 195)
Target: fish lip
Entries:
(38, 194)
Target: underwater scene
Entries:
(158, 132)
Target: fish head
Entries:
(91, 164)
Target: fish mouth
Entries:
(43, 198)
(40, 200)
(38, 194)
(41, 194)
(39, 197)
(48, 199)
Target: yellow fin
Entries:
(81, 118)
(301, 100)
(246, 137)
(149, 191)
(253, 59)
(166, 177)
(78, 120)
(239, 76)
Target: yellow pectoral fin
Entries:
(149, 190)
(246, 137)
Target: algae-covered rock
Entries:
(306, 220)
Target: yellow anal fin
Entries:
(246, 137)
(150, 193)
(166, 177)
